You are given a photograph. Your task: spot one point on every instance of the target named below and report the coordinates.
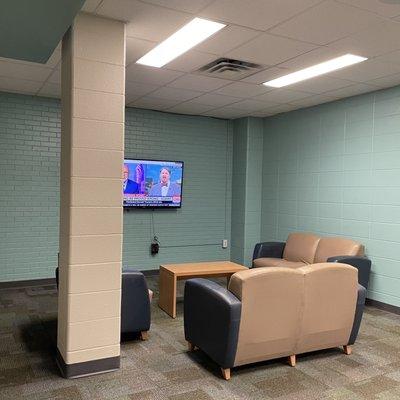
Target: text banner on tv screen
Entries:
(152, 183)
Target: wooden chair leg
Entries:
(292, 360)
(144, 335)
(226, 373)
(347, 350)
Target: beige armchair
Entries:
(269, 313)
(302, 249)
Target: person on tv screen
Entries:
(165, 187)
(129, 186)
(140, 178)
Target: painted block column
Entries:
(92, 144)
(246, 188)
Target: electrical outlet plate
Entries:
(224, 243)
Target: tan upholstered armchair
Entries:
(269, 313)
(301, 249)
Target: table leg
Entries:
(167, 297)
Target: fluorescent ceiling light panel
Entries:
(315, 70)
(190, 35)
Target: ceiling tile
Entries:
(134, 90)
(352, 90)
(136, 48)
(50, 90)
(242, 89)
(191, 61)
(283, 96)
(145, 21)
(327, 22)
(257, 14)
(216, 100)
(16, 85)
(281, 108)
(386, 81)
(252, 105)
(181, 5)
(269, 49)
(393, 57)
(90, 5)
(190, 108)
(225, 112)
(378, 39)
(320, 84)
(154, 76)
(266, 75)
(319, 55)
(227, 39)
(198, 82)
(314, 100)
(55, 76)
(32, 72)
(52, 62)
(175, 94)
(385, 8)
(367, 70)
(153, 103)
(54, 59)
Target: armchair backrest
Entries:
(271, 304)
(337, 246)
(329, 303)
(301, 247)
(290, 311)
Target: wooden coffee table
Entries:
(171, 273)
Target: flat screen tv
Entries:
(152, 183)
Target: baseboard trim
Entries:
(150, 272)
(383, 306)
(79, 370)
(27, 283)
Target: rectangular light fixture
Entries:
(315, 70)
(193, 33)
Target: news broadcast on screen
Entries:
(152, 183)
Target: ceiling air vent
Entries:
(226, 68)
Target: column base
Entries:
(78, 370)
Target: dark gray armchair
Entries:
(135, 304)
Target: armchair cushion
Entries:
(276, 262)
(334, 246)
(271, 308)
(329, 306)
(301, 247)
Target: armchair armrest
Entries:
(363, 264)
(362, 293)
(135, 302)
(269, 249)
(211, 320)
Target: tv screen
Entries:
(151, 183)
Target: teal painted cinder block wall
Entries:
(194, 232)
(334, 169)
(246, 187)
(29, 187)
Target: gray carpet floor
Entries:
(161, 368)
